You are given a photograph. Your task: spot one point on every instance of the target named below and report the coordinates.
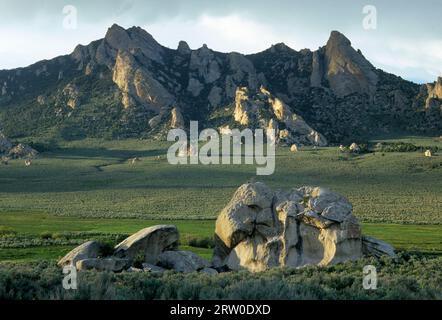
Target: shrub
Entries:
(208, 243)
(6, 231)
(406, 277)
(402, 147)
(46, 235)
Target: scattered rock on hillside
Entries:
(22, 151)
(354, 147)
(19, 151)
(149, 242)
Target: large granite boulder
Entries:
(149, 243)
(261, 229)
(88, 250)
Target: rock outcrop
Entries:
(260, 229)
(71, 96)
(347, 70)
(137, 84)
(263, 110)
(22, 151)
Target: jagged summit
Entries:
(338, 39)
(127, 84)
(348, 71)
(183, 47)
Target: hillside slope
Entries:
(128, 85)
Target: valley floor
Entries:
(89, 189)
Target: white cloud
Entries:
(415, 59)
(225, 33)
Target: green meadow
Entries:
(89, 189)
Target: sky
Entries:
(401, 37)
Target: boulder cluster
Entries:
(153, 249)
(10, 151)
(259, 229)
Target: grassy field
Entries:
(88, 189)
(94, 179)
(426, 239)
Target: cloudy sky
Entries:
(407, 39)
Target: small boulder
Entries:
(294, 148)
(147, 267)
(354, 147)
(149, 242)
(376, 248)
(88, 250)
(428, 153)
(182, 261)
(209, 271)
(111, 264)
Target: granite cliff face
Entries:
(127, 84)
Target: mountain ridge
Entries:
(128, 85)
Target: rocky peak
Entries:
(104, 51)
(119, 38)
(338, 39)
(347, 70)
(183, 48)
(437, 89)
(280, 47)
(116, 35)
(204, 65)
